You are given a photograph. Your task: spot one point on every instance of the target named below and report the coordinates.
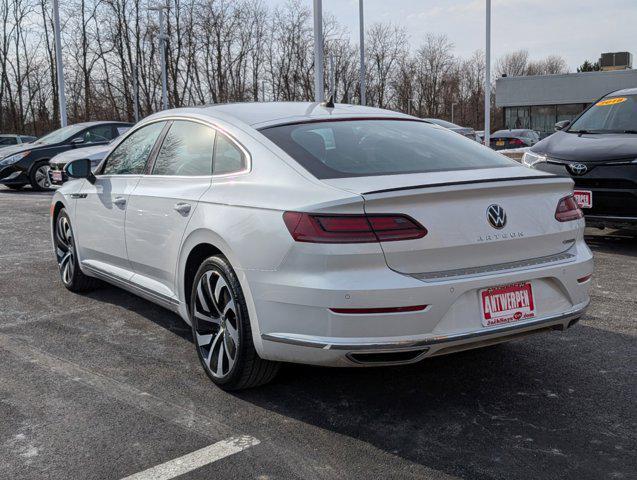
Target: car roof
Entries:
(625, 91)
(100, 122)
(511, 133)
(260, 115)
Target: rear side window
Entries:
(186, 150)
(102, 133)
(228, 157)
(129, 157)
(8, 141)
(358, 148)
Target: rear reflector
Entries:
(568, 210)
(305, 227)
(363, 311)
(584, 279)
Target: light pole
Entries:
(162, 49)
(453, 104)
(319, 90)
(487, 79)
(362, 51)
(58, 63)
(135, 94)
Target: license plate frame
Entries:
(504, 304)
(584, 198)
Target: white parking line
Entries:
(196, 459)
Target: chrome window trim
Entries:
(211, 124)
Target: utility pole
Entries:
(487, 79)
(362, 51)
(58, 63)
(135, 94)
(453, 104)
(332, 74)
(162, 50)
(319, 89)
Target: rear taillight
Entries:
(516, 141)
(305, 227)
(567, 210)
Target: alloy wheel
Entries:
(216, 324)
(65, 249)
(42, 176)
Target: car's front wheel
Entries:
(65, 253)
(221, 329)
(39, 176)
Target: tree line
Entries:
(221, 51)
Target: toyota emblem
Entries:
(577, 168)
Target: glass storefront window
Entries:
(543, 119)
(517, 117)
(569, 112)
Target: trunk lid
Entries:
(452, 206)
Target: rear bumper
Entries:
(611, 221)
(429, 346)
(295, 323)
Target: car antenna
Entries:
(329, 103)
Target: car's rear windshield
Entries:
(359, 148)
(612, 114)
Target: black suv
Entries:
(26, 164)
(599, 151)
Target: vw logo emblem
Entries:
(577, 168)
(496, 216)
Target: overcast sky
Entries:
(575, 29)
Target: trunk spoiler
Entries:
(464, 182)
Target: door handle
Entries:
(119, 201)
(182, 208)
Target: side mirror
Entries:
(562, 125)
(80, 169)
(77, 141)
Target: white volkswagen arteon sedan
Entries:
(344, 236)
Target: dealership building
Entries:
(538, 102)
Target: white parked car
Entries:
(345, 236)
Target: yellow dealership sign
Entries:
(610, 101)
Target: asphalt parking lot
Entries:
(106, 385)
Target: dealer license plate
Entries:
(584, 198)
(500, 143)
(507, 304)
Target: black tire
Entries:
(214, 334)
(68, 265)
(15, 187)
(34, 177)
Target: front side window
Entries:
(228, 157)
(186, 150)
(130, 156)
(613, 114)
(358, 148)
